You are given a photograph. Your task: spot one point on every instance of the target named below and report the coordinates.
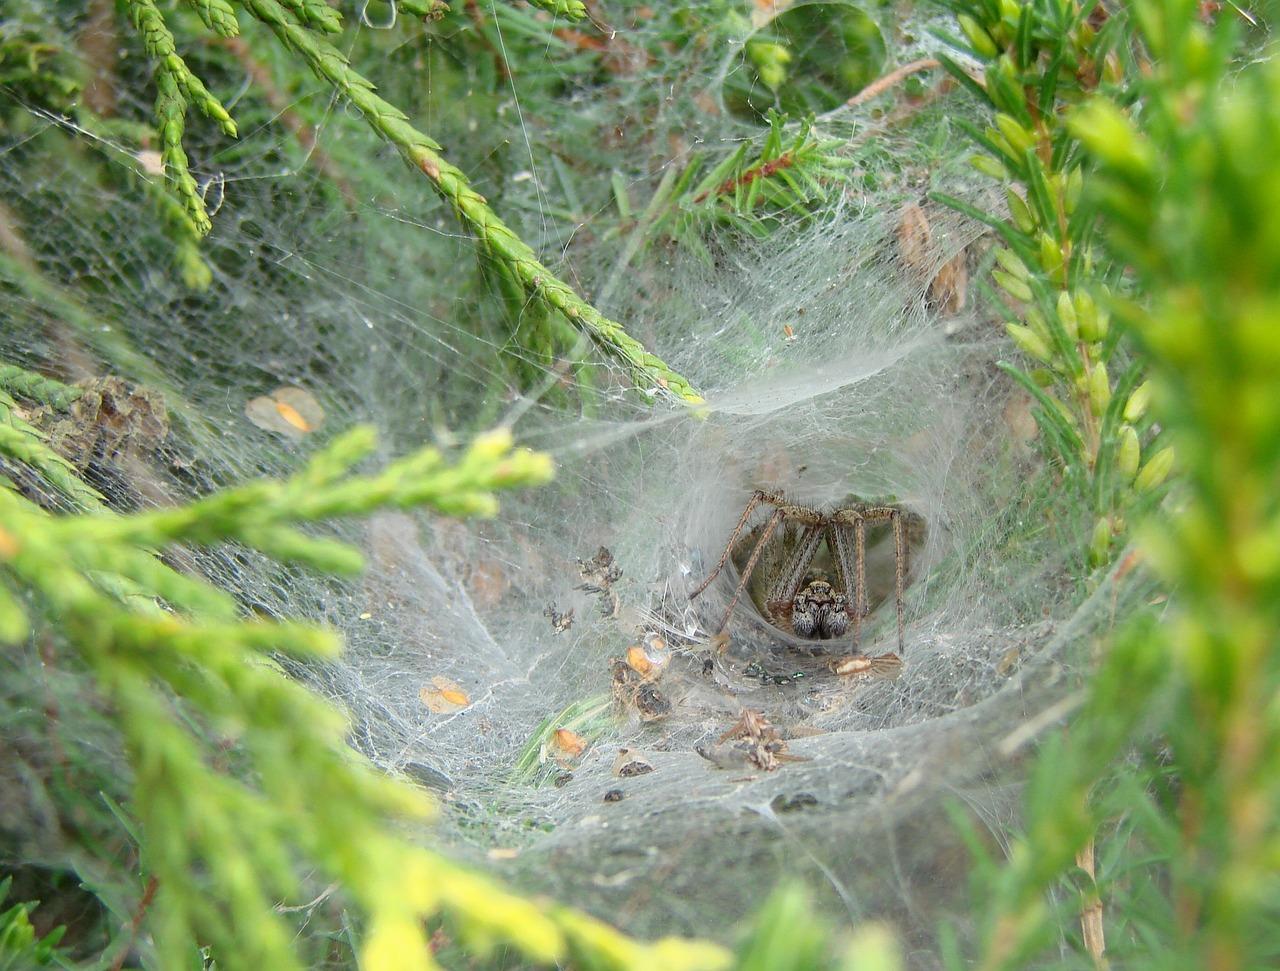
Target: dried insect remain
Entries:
(753, 739)
(635, 692)
(560, 622)
(599, 574)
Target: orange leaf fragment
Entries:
(443, 696)
(287, 410)
(638, 659)
(290, 414)
(10, 545)
(568, 742)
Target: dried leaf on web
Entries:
(567, 744)
(287, 410)
(443, 696)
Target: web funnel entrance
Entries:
(806, 570)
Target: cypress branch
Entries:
(218, 16)
(310, 799)
(316, 13)
(569, 9)
(494, 236)
(37, 387)
(176, 87)
(23, 443)
(171, 119)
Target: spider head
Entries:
(819, 611)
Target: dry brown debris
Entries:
(599, 574)
(753, 739)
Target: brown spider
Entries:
(819, 609)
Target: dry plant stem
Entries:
(880, 85)
(498, 240)
(136, 923)
(860, 608)
(883, 84)
(762, 171)
(1091, 914)
(903, 113)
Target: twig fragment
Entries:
(1091, 910)
(880, 85)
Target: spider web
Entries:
(829, 372)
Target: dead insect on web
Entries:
(559, 622)
(812, 606)
(752, 738)
(599, 574)
(751, 725)
(631, 763)
(855, 665)
(634, 691)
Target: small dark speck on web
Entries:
(790, 804)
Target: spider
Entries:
(817, 608)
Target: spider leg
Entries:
(860, 517)
(900, 552)
(756, 499)
(769, 527)
(857, 569)
(900, 572)
(792, 574)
